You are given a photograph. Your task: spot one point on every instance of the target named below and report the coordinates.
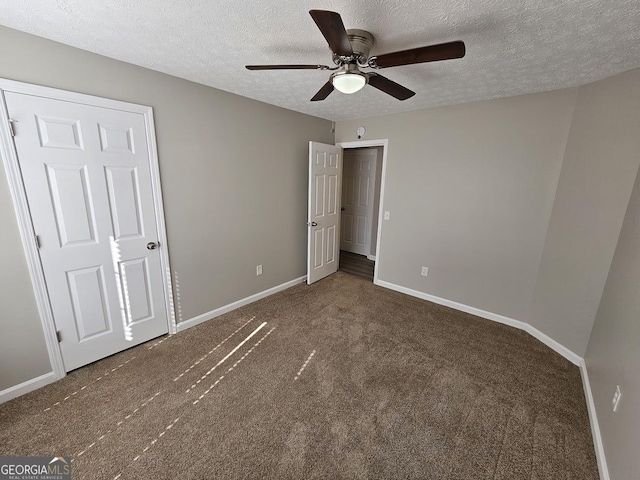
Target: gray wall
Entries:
(23, 353)
(613, 353)
(234, 179)
(600, 164)
(470, 190)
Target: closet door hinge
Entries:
(59, 336)
(11, 128)
(37, 242)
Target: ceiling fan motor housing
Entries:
(361, 43)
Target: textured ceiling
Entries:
(513, 46)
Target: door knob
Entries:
(152, 245)
(312, 224)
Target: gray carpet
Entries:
(345, 380)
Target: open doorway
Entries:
(360, 204)
(325, 201)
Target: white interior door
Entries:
(325, 172)
(359, 174)
(87, 177)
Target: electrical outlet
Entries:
(259, 270)
(387, 214)
(425, 271)
(617, 396)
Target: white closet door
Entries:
(359, 179)
(88, 182)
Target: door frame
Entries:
(384, 143)
(19, 196)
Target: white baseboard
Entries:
(551, 343)
(595, 427)
(240, 303)
(371, 257)
(26, 387)
(554, 345)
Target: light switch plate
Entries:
(617, 396)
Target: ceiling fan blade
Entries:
(390, 87)
(323, 93)
(287, 67)
(331, 26)
(432, 53)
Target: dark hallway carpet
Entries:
(345, 380)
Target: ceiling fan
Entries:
(351, 53)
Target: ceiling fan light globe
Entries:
(349, 82)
